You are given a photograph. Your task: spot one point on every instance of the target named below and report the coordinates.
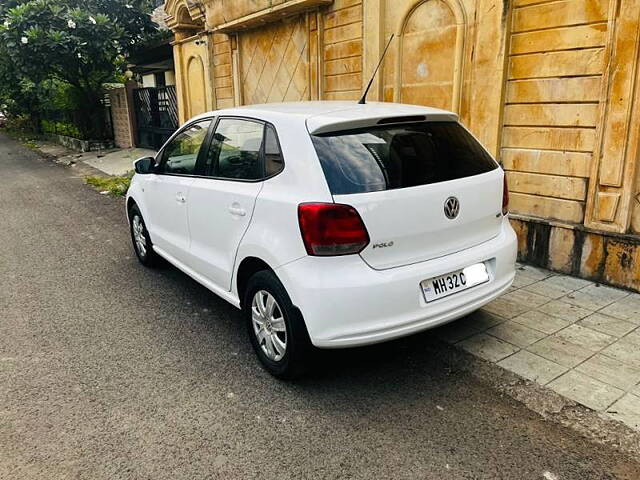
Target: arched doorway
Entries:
(425, 67)
(195, 84)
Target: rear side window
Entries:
(399, 156)
(237, 144)
(273, 161)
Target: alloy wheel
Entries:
(269, 326)
(139, 236)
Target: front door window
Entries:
(181, 154)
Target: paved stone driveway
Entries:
(578, 338)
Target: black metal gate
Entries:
(156, 115)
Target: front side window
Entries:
(181, 154)
(237, 144)
(399, 156)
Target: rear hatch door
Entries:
(423, 189)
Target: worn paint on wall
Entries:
(606, 258)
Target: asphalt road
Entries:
(109, 370)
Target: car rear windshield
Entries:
(398, 156)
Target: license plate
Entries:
(454, 282)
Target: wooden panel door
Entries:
(274, 62)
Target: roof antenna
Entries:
(363, 100)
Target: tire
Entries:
(141, 245)
(285, 364)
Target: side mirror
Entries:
(144, 165)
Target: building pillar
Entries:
(613, 174)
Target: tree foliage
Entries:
(81, 43)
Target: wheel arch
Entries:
(130, 203)
(248, 267)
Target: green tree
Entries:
(82, 43)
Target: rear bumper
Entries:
(346, 303)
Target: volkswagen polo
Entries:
(330, 224)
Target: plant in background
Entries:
(114, 185)
(77, 43)
(61, 128)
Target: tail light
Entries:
(331, 229)
(505, 197)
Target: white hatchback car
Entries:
(331, 224)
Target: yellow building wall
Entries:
(550, 87)
(342, 50)
(222, 71)
(552, 105)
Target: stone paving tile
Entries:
(532, 272)
(548, 289)
(611, 371)
(633, 337)
(586, 390)
(595, 297)
(627, 308)
(522, 281)
(625, 351)
(454, 332)
(560, 351)
(541, 321)
(505, 308)
(481, 319)
(516, 334)
(627, 411)
(525, 298)
(586, 338)
(532, 367)
(574, 283)
(601, 291)
(574, 336)
(606, 324)
(488, 347)
(564, 310)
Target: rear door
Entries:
(423, 190)
(221, 203)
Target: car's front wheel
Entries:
(140, 238)
(276, 328)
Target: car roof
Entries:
(327, 116)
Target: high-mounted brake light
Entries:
(331, 229)
(505, 196)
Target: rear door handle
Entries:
(236, 209)
(180, 198)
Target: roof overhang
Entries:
(269, 15)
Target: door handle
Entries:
(180, 198)
(236, 209)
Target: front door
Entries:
(221, 205)
(167, 192)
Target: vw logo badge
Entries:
(451, 207)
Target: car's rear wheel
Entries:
(276, 328)
(140, 238)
